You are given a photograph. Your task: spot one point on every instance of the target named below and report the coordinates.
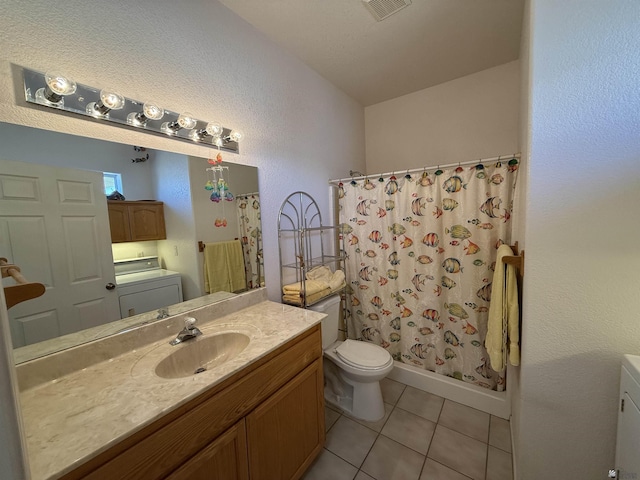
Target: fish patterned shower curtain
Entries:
(421, 252)
(251, 238)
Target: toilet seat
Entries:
(363, 355)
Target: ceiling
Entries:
(427, 43)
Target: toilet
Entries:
(352, 369)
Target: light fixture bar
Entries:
(131, 115)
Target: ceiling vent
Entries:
(381, 9)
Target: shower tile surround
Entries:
(421, 437)
(81, 401)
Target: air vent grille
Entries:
(381, 9)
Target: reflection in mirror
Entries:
(54, 225)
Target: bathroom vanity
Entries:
(256, 414)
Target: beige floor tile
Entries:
(328, 465)
(362, 476)
(436, 471)
(391, 390)
(410, 430)
(330, 417)
(499, 465)
(500, 433)
(350, 440)
(377, 426)
(422, 403)
(467, 420)
(459, 452)
(388, 460)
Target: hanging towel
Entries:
(224, 267)
(502, 325)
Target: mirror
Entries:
(76, 244)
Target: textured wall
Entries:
(472, 117)
(192, 56)
(582, 265)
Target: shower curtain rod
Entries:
(247, 194)
(424, 169)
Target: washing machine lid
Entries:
(363, 354)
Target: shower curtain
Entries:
(251, 238)
(421, 251)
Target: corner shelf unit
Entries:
(305, 243)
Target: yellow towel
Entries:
(503, 315)
(311, 286)
(224, 267)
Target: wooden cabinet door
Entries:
(147, 221)
(119, 222)
(225, 458)
(286, 432)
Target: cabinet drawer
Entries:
(205, 418)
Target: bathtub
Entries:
(495, 403)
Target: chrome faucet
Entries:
(188, 332)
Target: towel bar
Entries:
(516, 260)
(21, 292)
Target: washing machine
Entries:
(143, 286)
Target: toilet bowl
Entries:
(352, 369)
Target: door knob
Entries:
(110, 286)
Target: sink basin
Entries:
(202, 353)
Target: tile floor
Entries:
(421, 437)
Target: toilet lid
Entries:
(363, 354)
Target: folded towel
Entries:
(503, 315)
(337, 280)
(310, 286)
(321, 272)
(297, 300)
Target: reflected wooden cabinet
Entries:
(266, 422)
(136, 221)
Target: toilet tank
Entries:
(330, 324)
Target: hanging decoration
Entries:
(218, 186)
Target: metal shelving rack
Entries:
(304, 242)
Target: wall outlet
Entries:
(140, 254)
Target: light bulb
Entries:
(186, 120)
(235, 136)
(57, 87)
(111, 99)
(217, 141)
(214, 129)
(59, 84)
(152, 111)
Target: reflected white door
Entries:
(54, 225)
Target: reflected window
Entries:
(112, 183)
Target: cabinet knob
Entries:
(110, 286)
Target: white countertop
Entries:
(69, 420)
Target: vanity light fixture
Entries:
(109, 100)
(150, 111)
(58, 92)
(185, 120)
(57, 87)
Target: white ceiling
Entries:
(427, 43)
